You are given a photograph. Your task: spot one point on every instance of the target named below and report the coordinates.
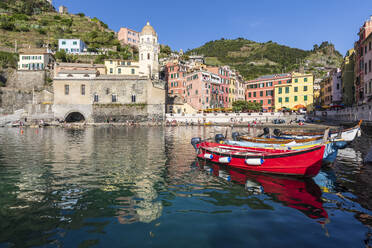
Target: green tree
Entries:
(243, 106)
(61, 56)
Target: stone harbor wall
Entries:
(21, 88)
(136, 99)
(27, 80)
(120, 112)
(352, 114)
(13, 99)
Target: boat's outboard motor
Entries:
(266, 132)
(235, 136)
(219, 137)
(277, 132)
(195, 141)
(340, 144)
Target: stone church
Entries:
(83, 93)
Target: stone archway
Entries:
(74, 117)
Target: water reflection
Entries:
(301, 194)
(62, 177)
(109, 186)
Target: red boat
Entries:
(306, 162)
(301, 194)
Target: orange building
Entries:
(261, 90)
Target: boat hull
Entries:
(305, 162)
(347, 135)
(329, 151)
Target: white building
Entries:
(149, 52)
(72, 46)
(35, 59)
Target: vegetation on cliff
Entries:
(8, 60)
(253, 59)
(35, 23)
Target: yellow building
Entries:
(299, 91)
(121, 67)
(232, 90)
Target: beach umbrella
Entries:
(299, 106)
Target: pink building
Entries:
(367, 70)
(204, 90)
(224, 73)
(361, 48)
(128, 36)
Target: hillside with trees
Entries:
(35, 23)
(253, 59)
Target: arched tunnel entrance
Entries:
(74, 117)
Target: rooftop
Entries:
(148, 30)
(77, 72)
(34, 51)
(80, 65)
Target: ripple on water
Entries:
(136, 186)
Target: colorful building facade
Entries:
(121, 67)
(261, 90)
(224, 73)
(298, 91)
(128, 36)
(361, 48)
(367, 44)
(336, 86)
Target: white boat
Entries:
(347, 135)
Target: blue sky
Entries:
(188, 24)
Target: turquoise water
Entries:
(142, 187)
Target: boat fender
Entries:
(208, 156)
(359, 133)
(195, 141)
(219, 137)
(235, 136)
(224, 160)
(277, 132)
(254, 161)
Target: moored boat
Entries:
(347, 135)
(330, 151)
(306, 162)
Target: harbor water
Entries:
(143, 187)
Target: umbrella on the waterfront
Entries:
(299, 106)
(284, 109)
